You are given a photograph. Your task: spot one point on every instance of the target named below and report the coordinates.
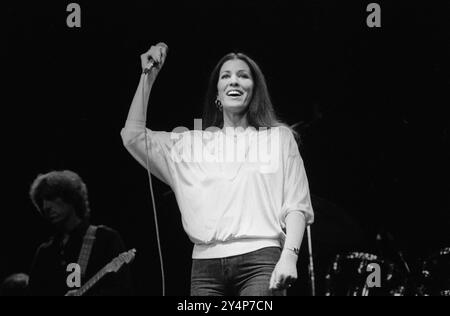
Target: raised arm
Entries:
(138, 108)
(141, 142)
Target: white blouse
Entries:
(233, 189)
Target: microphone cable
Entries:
(155, 215)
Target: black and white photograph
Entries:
(241, 149)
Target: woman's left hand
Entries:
(285, 272)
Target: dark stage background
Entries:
(372, 106)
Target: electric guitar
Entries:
(113, 266)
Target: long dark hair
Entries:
(260, 111)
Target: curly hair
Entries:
(66, 185)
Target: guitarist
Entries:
(61, 197)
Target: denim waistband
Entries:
(231, 248)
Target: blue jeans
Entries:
(243, 275)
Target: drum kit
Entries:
(381, 272)
(349, 275)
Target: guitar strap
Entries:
(86, 248)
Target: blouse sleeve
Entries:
(159, 144)
(296, 196)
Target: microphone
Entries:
(152, 63)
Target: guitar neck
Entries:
(92, 281)
(113, 266)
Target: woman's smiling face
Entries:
(235, 85)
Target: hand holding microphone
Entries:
(153, 60)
